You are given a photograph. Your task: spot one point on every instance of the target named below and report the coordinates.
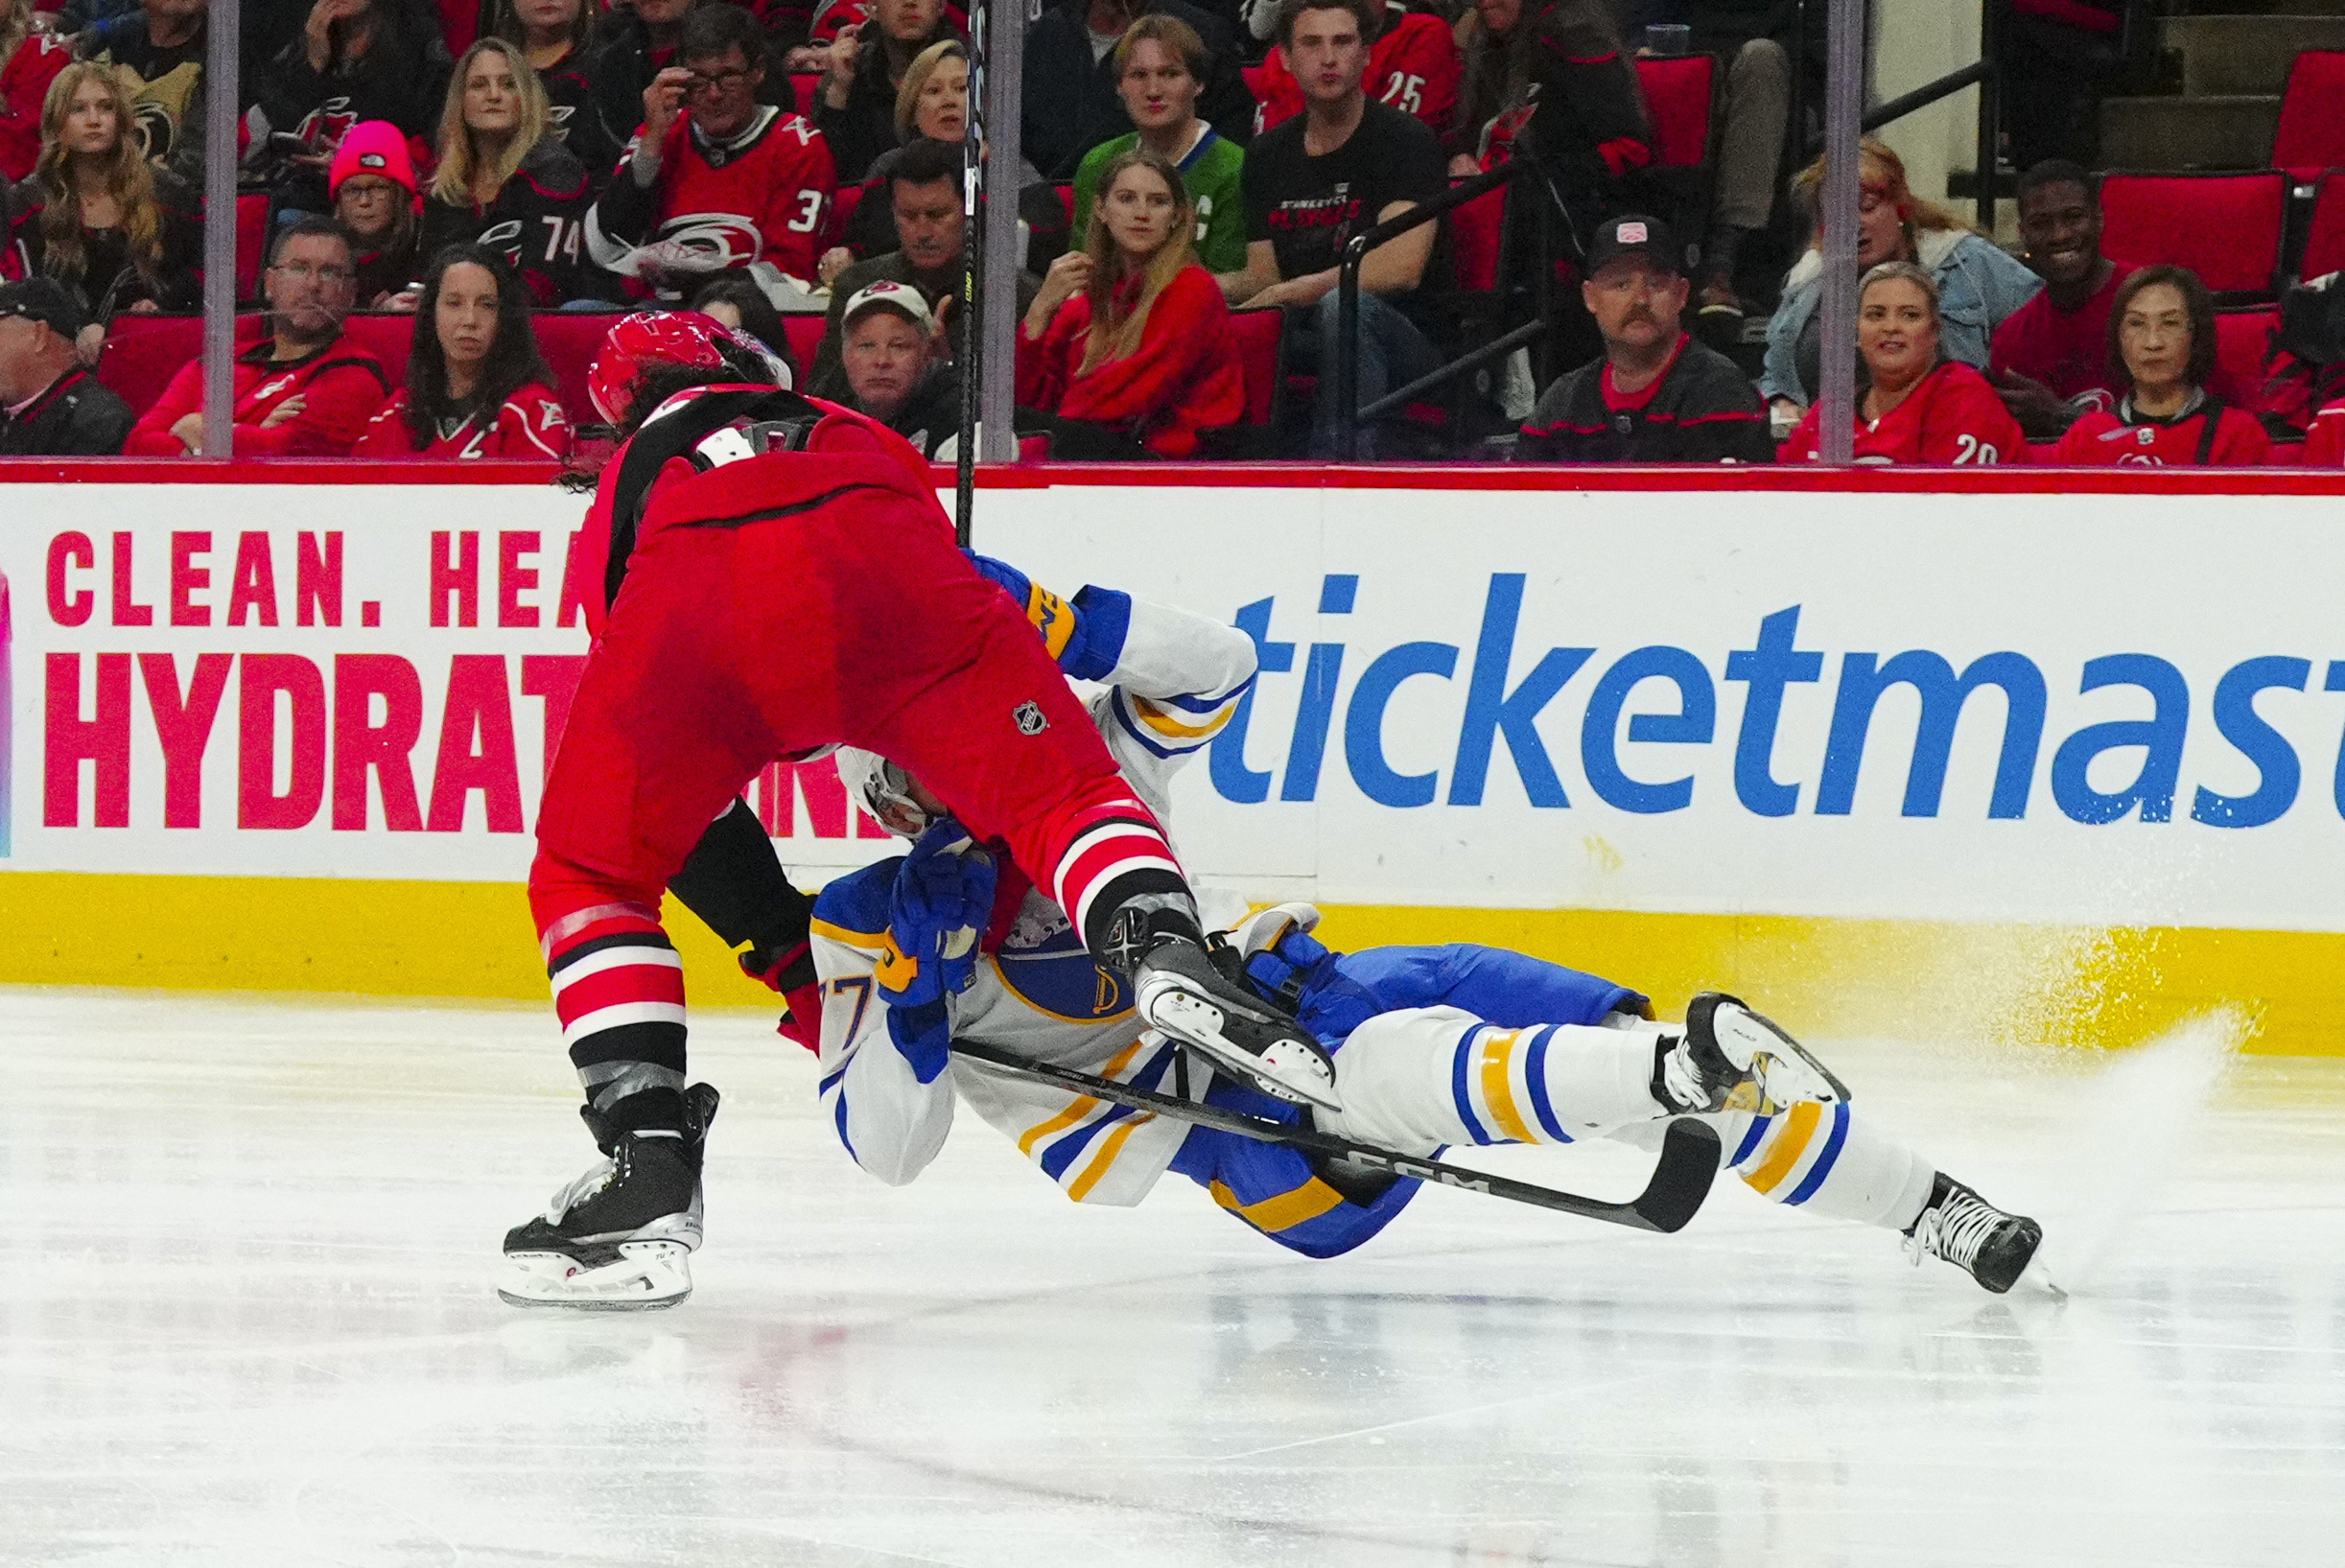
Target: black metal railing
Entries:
(1350, 415)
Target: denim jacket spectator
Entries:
(1978, 284)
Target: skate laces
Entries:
(597, 1177)
(1953, 1230)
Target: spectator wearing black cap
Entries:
(50, 405)
(1656, 396)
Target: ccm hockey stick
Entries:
(1680, 1181)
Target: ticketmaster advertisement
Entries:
(2112, 709)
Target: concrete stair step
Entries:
(2230, 131)
(2233, 55)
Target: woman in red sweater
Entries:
(2161, 342)
(1919, 408)
(1128, 342)
(475, 384)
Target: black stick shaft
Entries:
(1680, 1181)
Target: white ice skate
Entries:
(1179, 990)
(620, 1237)
(1731, 1057)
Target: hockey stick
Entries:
(972, 261)
(1680, 1181)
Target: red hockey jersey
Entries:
(1414, 65)
(1183, 378)
(341, 387)
(762, 196)
(2324, 440)
(24, 84)
(2209, 432)
(1952, 416)
(528, 424)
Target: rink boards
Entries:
(2045, 755)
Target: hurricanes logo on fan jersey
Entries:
(704, 242)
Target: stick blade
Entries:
(1681, 1181)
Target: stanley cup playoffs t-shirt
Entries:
(1309, 208)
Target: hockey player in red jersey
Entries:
(777, 578)
(714, 180)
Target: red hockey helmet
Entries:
(638, 343)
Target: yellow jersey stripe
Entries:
(1163, 723)
(852, 939)
(1051, 616)
(1081, 1106)
(1283, 1210)
(1790, 1144)
(1081, 1186)
(1497, 1059)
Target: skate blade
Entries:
(1298, 1082)
(646, 1277)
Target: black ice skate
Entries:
(618, 1238)
(1733, 1058)
(1958, 1225)
(1179, 989)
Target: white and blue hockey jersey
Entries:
(1169, 681)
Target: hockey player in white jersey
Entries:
(1433, 1045)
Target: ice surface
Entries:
(247, 1317)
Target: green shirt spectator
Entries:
(1159, 70)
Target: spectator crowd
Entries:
(471, 166)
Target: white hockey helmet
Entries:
(883, 789)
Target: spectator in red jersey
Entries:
(557, 37)
(1413, 64)
(728, 183)
(2161, 340)
(857, 110)
(1068, 101)
(506, 181)
(354, 61)
(894, 367)
(1129, 340)
(50, 405)
(373, 186)
(475, 387)
(1921, 407)
(303, 391)
(2049, 359)
(1656, 396)
(636, 43)
(96, 216)
(29, 61)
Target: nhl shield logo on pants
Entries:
(1028, 716)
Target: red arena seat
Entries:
(805, 331)
(2310, 135)
(1677, 91)
(144, 352)
(2242, 342)
(2325, 230)
(568, 340)
(1474, 234)
(2224, 227)
(251, 240)
(1256, 334)
(387, 335)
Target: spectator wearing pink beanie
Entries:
(373, 186)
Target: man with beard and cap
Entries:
(1656, 396)
(2050, 356)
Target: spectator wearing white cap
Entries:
(50, 405)
(896, 370)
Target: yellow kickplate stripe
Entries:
(1791, 1142)
(1497, 1059)
(1825, 978)
(1284, 1210)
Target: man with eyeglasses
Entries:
(303, 391)
(713, 181)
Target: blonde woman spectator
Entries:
(1978, 284)
(1921, 407)
(92, 216)
(2162, 344)
(557, 37)
(1129, 340)
(29, 61)
(857, 109)
(475, 387)
(505, 178)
